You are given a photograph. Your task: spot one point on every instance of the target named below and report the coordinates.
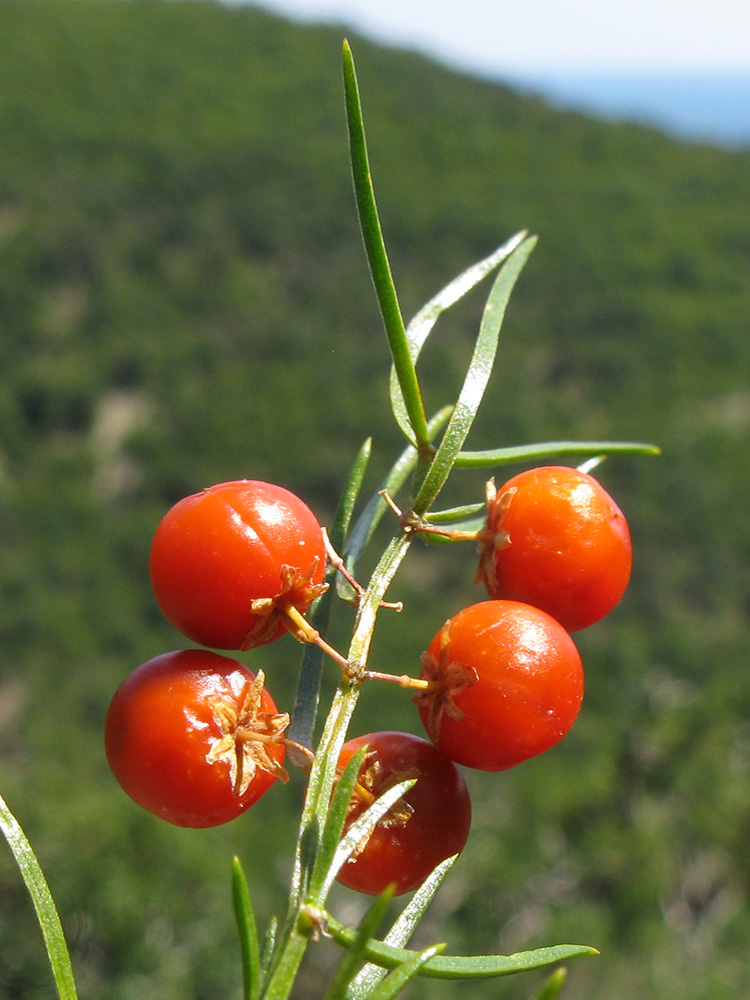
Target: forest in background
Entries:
(184, 299)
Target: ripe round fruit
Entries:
(508, 684)
(180, 737)
(555, 538)
(225, 563)
(431, 822)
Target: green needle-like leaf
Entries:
(267, 946)
(376, 507)
(359, 942)
(406, 923)
(421, 326)
(394, 983)
(319, 792)
(343, 516)
(461, 966)
(476, 378)
(248, 932)
(455, 514)
(552, 987)
(329, 842)
(378, 259)
(44, 904)
(362, 828)
(305, 711)
(551, 449)
(403, 927)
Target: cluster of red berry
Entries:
(195, 737)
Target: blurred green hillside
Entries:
(184, 299)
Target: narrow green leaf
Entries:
(552, 987)
(378, 259)
(284, 965)
(394, 983)
(44, 904)
(476, 378)
(551, 449)
(455, 514)
(267, 947)
(461, 966)
(248, 932)
(359, 942)
(309, 844)
(343, 516)
(371, 601)
(362, 828)
(307, 697)
(422, 324)
(331, 838)
(294, 936)
(403, 927)
(376, 507)
(319, 790)
(406, 923)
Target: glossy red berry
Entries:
(554, 538)
(193, 737)
(227, 563)
(429, 824)
(506, 685)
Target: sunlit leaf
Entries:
(363, 826)
(44, 904)
(552, 987)
(462, 966)
(305, 710)
(401, 931)
(378, 259)
(422, 324)
(359, 942)
(376, 507)
(248, 932)
(550, 449)
(331, 838)
(477, 377)
(395, 981)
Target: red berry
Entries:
(192, 737)
(227, 563)
(554, 538)
(429, 824)
(507, 685)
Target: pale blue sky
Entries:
(529, 37)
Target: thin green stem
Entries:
(298, 928)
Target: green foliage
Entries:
(184, 299)
(49, 919)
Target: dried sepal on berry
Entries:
(236, 546)
(429, 823)
(447, 679)
(281, 612)
(555, 539)
(247, 731)
(372, 782)
(526, 692)
(492, 538)
(195, 737)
